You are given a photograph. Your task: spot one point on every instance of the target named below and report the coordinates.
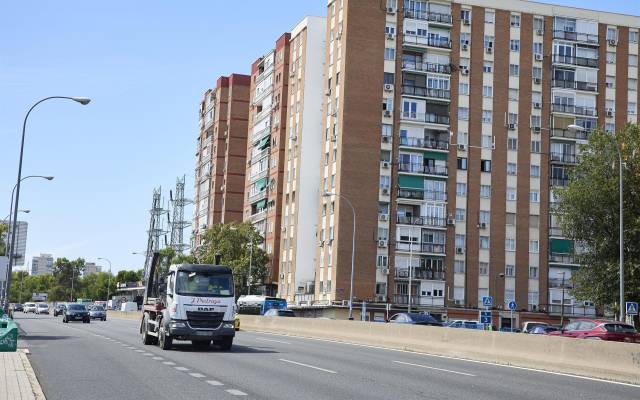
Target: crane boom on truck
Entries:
(192, 302)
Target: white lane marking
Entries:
(236, 392)
(434, 368)
(147, 354)
(196, 374)
(158, 358)
(215, 383)
(181, 368)
(456, 358)
(168, 363)
(307, 365)
(273, 340)
(139, 351)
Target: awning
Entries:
(261, 204)
(261, 183)
(563, 246)
(411, 182)
(264, 143)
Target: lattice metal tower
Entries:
(178, 223)
(156, 229)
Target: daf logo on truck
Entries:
(175, 306)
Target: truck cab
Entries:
(195, 302)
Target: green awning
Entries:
(411, 182)
(563, 246)
(261, 204)
(436, 156)
(264, 143)
(261, 183)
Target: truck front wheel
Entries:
(146, 338)
(164, 341)
(226, 343)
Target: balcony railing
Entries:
(429, 118)
(416, 300)
(426, 92)
(559, 181)
(257, 196)
(422, 221)
(429, 16)
(556, 283)
(572, 310)
(257, 155)
(426, 143)
(439, 170)
(420, 247)
(427, 67)
(579, 61)
(575, 36)
(416, 194)
(259, 214)
(569, 134)
(575, 85)
(573, 109)
(562, 258)
(259, 175)
(440, 42)
(565, 158)
(555, 231)
(420, 273)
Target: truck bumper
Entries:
(181, 330)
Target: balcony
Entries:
(257, 196)
(259, 215)
(563, 258)
(576, 36)
(575, 85)
(259, 175)
(258, 155)
(436, 222)
(416, 300)
(563, 158)
(573, 109)
(427, 67)
(556, 283)
(262, 132)
(429, 118)
(420, 195)
(426, 143)
(557, 181)
(407, 247)
(257, 117)
(439, 18)
(579, 61)
(420, 273)
(569, 134)
(417, 40)
(556, 231)
(412, 168)
(417, 91)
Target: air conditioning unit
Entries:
(462, 147)
(388, 87)
(390, 36)
(537, 106)
(465, 47)
(459, 250)
(482, 225)
(387, 113)
(610, 85)
(464, 70)
(385, 164)
(538, 57)
(386, 272)
(609, 113)
(466, 22)
(382, 243)
(385, 191)
(451, 221)
(587, 303)
(391, 10)
(489, 50)
(539, 32)
(537, 81)
(385, 139)
(537, 129)
(612, 42)
(383, 217)
(511, 127)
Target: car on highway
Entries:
(461, 323)
(17, 307)
(542, 330)
(414, 319)
(528, 326)
(59, 309)
(278, 313)
(30, 307)
(599, 329)
(76, 312)
(42, 308)
(97, 312)
(509, 329)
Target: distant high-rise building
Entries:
(91, 268)
(21, 241)
(42, 264)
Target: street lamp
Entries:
(353, 247)
(109, 280)
(7, 250)
(81, 100)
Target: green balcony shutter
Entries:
(264, 143)
(563, 246)
(261, 204)
(260, 184)
(411, 182)
(436, 155)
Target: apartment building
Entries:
(91, 268)
(41, 265)
(449, 125)
(221, 154)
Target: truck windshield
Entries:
(203, 284)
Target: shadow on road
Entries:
(188, 348)
(41, 337)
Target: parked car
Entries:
(461, 323)
(42, 308)
(76, 312)
(279, 313)
(414, 319)
(58, 309)
(542, 330)
(97, 312)
(30, 307)
(528, 326)
(509, 329)
(18, 307)
(599, 330)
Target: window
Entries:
(484, 217)
(487, 91)
(463, 113)
(461, 214)
(631, 108)
(490, 17)
(382, 261)
(534, 221)
(458, 266)
(537, 48)
(385, 182)
(387, 130)
(536, 73)
(463, 88)
(515, 20)
(483, 268)
(487, 117)
(387, 104)
(513, 94)
(485, 165)
(512, 169)
(484, 242)
(536, 121)
(512, 118)
(389, 78)
(510, 270)
(514, 70)
(459, 240)
(389, 54)
(510, 219)
(390, 30)
(533, 271)
(534, 246)
(609, 127)
(534, 196)
(633, 84)
(464, 38)
(485, 191)
(610, 81)
(510, 244)
(633, 36)
(611, 57)
(488, 42)
(538, 23)
(535, 146)
(514, 45)
(462, 138)
(612, 33)
(487, 140)
(511, 194)
(487, 66)
(461, 189)
(462, 163)
(465, 15)
(535, 171)
(633, 60)
(512, 144)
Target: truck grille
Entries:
(205, 319)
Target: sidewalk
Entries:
(17, 379)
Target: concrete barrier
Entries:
(137, 315)
(597, 359)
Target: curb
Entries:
(33, 380)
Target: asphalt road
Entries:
(106, 360)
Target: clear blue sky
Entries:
(145, 64)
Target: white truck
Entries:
(195, 302)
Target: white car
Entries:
(42, 308)
(29, 307)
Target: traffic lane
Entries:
(71, 364)
(523, 383)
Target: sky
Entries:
(145, 65)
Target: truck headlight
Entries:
(228, 325)
(177, 324)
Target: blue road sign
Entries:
(487, 301)
(632, 308)
(512, 305)
(485, 317)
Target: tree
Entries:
(129, 276)
(588, 213)
(66, 275)
(94, 286)
(3, 233)
(236, 243)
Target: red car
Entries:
(599, 330)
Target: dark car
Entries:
(512, 330)
(542, 330)
(18, 307)
(599, 330)
(97, 312)
(58, 310)
(415, 319)
(279, 313)
(76, 312)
